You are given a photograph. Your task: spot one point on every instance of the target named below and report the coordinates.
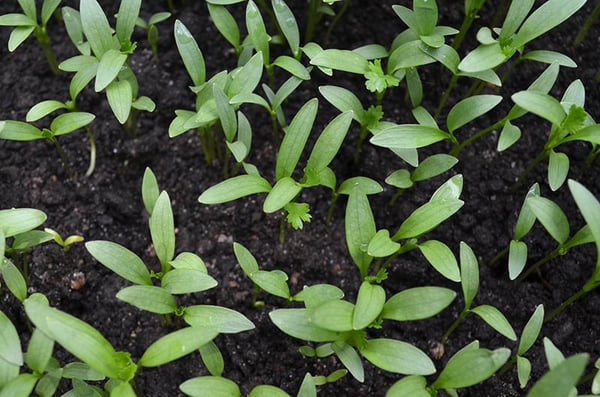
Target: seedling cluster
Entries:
(277, 70)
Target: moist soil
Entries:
(108, 206)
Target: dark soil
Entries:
(108, 206)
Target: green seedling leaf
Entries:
(150, 190)
(496, 320)
(517, 258)
(186, 281)
(120, 98)
(360, 229)
(274, 282)
(315, 295)
(425, 16)
(39, 351)
(433, 166)
(235, 188)
(441, 258)
(417, 303)
(293, 66)
(257, 31)
(298, 324)
(381, 245)
(550, 57)
(19, 131)
(20, 386)
(226, 113)
(69, 122)
(225, 24)
(283, 192)
(329, 142)
(400, 179)
(551, 217)
(553, 355)
(176, 345)
(308, 387)
(77, 337)
(120, 260)
(18, 35)
(413, 385)
(109, 67)
(15, 221)
(427, 217)
(369, 303)
(267, 391)
(527, 217)
(469, 109)
(469, 273)
(287, 23)
(245, 259)
(190, 53)
(245, 79)
(126, 18)
(96, 27)
(149, 298)
(515, 16)
(13, 278)
(362, 184)
(523, 370)
(484, 57)
(162, 229)
(549, 15)
(561, 379)
(72, 20)
(509, 135)
(540, 104)
(189, 260)
(408, 136)
(589, 207)
(344, 100)
(589, 134)
(449, 190)
(224, 320)
(10, 344)
(14, 19)
(335, 315)
(212, 358)
(343, 60)
(397, 356)
(471, 366)
(43, 109)
(350, 359)
(295, 139)
(531, 330)
(77, 370)
(558, 169)
(214, 386)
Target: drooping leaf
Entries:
(551, 217)
(496, 320)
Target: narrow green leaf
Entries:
(109, 67)
(441, 258)
(360, 229)
(257, 31)
(344, 100)
(515, 16)
(120, 98)
(287, 23)
(126, 18)
(20, 386)
(509, 135)
(176, 345)
(427, 217)
(267, 391)
(526, 218)
(484, 57)
(408, 136)
(19, 131)
(18, 36)
(496, 320)
(162, 229)
(39, 351)
(190, 53)
(10, 344)
(295, 139)
(283, 192)
(245, 259)
(469, 273)
(96, 27)
(449, 190)
(433, 166)
(149, 298)
(334, 315)
(523, 370)
(186, 281)
(343, 60)
(225, 24)
(329, 142)
(589, 134)
(19, 220)
(150, 191)
(471, 366)
(226, 113)
(293, 66)
(413, 385)
(400, 179)
(560, 380)
(426, 14)
(120, 260)
(531, 330)
(297, 323)
(589, 207)
(48, 8)
(245, 79)
(315, 295)
(350, 359)
(16, 19)
(417, 303)
(361, 183)
(212, 358)
(469, 109)
(550, 57)
(551, 217)
(517, 258)
(42, 109)
(13, 278)
(69, 122)
(215, 386)
(381, 245)
(397, 356)
(369, 303)
(224, 320)
(308, 387)
(558, 169)
(540, 104)
(274, 282)
(235, 188)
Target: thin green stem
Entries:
(499, 255)
(555, 253)
(589, 22)
(336, 19)
(459, 147)
(42, 37)
(396, 196)
(92, 139)
(454, 325)
(313, 19)
(565, 304)
(63, 157)
(334, 198)
(446, 95)
(538, 159)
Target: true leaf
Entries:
(397, 356)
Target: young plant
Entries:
(27, 23)
(62, 124)
(340, 327)
(151, 30)
(104, 58)
(65, 243)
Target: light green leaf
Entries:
(226, 113)
(526, 218)
(109, 67)
(515, 16)
(369, 303)
(13, 278)
(344, 60)
(162, 229)
(381, 245)
(469, 273)
(69, 122)
(298, 324)
(361, 183)
(295, 139)
(350, 359)
(267, 391)
(523, 370)
(245, 79)
(397, 356)
(96, 27)
(315, 295)
(150, 191)
(292, 65)
(189, 260)
(257, 31)
(471, 366)
(149, 298)
(531, 330)
(433, 166)
(274, 282)
(427, 217)
(42, 109)
(558, 169)
(561, 379)
(245, 259)
(329, 142)
(215, 386)
(19, 220)
(400, 179)
(344, 100)
(126, 18)
(589, 207)
(225, 24)
(496, 320)
(551, 217)
(120, 98)
(15, 19)
(517, 258)
(360, 229)
(175, 345)
(212, 358)
(190, 53)
(449, 190)
(590, 134)
(222, 319)
(509, 135)
(39, 351)
(308, 387)
(540, 104)
(469, 109)
(413, 386)
(417, 303)
(19, 131)
(186, 281)
(333, 315)
(10, 344)
(18, 36)
(20, 386)
(441, 258)
(550, 57)
(120, 260)
(235, 188)
(408, 136)
(484, 57)
(283, 192)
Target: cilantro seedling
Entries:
(66, 242)
(151, 30)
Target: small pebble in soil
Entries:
(77, 280)
(436, 349)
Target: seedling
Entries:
(64, 243)
(27, 23)
(151, 30)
